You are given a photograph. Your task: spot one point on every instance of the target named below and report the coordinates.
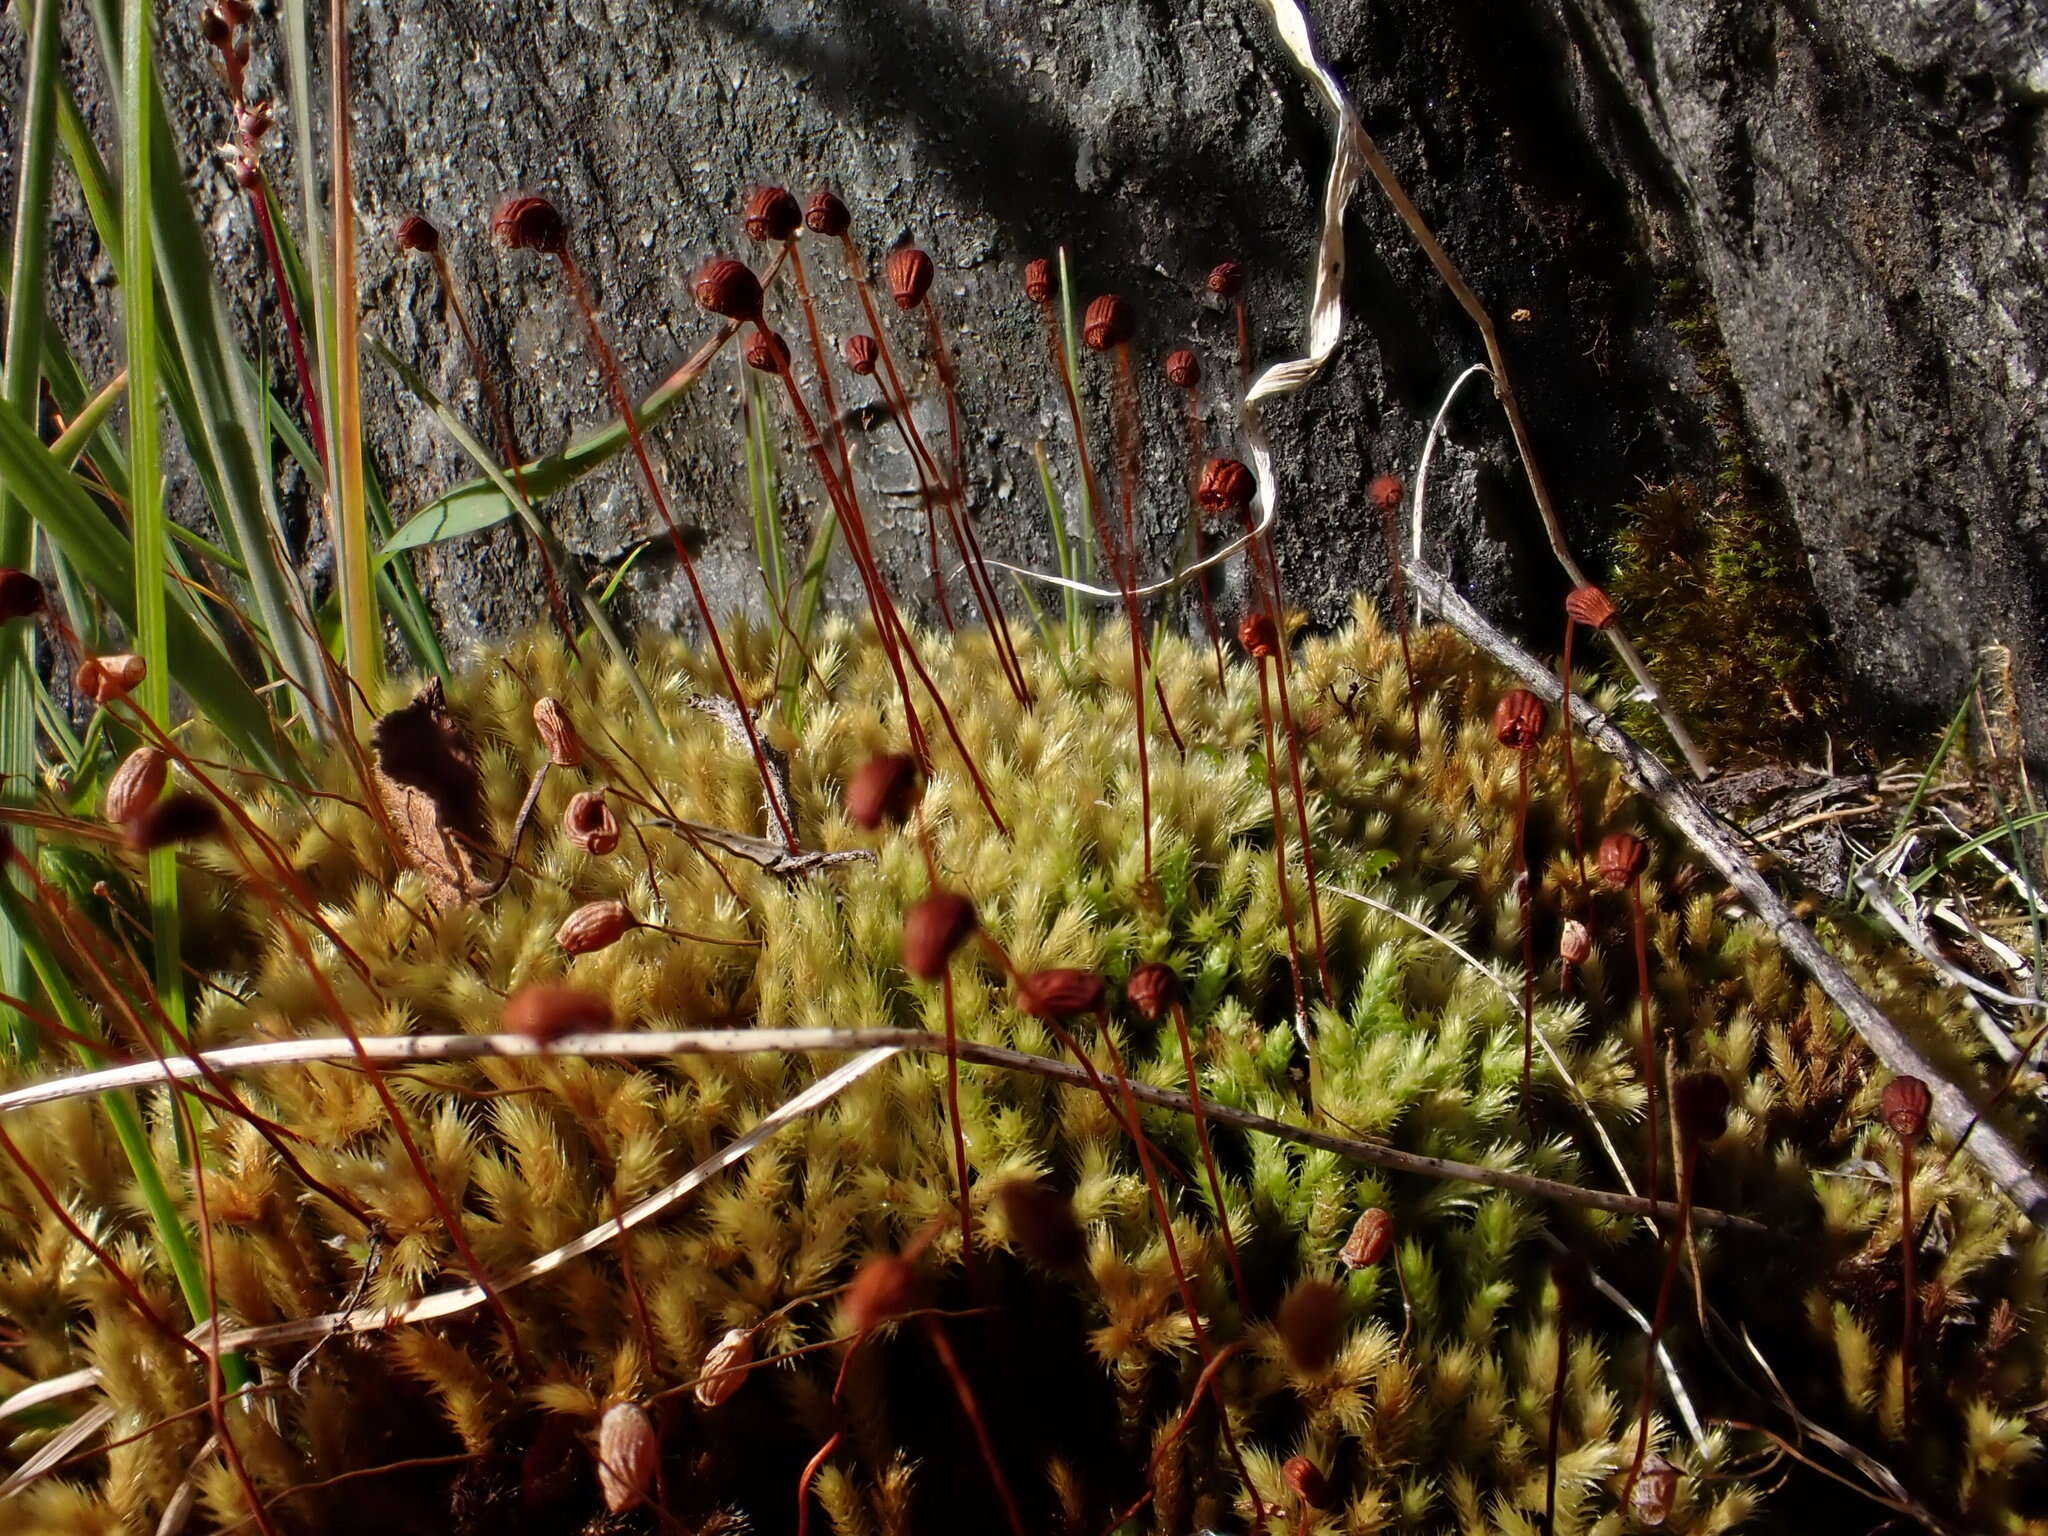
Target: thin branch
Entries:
(1954, 1111)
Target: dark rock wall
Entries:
(1854, 188)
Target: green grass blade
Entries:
(20, 377)
(348, 502)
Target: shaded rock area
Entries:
(1852, 189)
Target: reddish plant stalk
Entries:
(1180, 1428)
(887, 621)
(943, 1348)
(508, 439)
(1908, 1245)
(1523, 882)
(608, 365)
(930, 495)
(1571, 761)
(1187, 1056)
(1397, 591)
(273, 256)
(808, 1475)
(964, 535)
(1196, 457)
(1556, 1419)
(1635, 902)
(1280, 843)
(1686, 1168)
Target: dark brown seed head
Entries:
(1183, 369)
(547, 1013)
(767, 351)
(530, 224)
(1152, 989)
(1371, 1240)
(1110, 322)
(1041, 281)
(932, 929)
(233, 12)
(416, 234)
(860, 353)
(1699, 1103)
(1575, 944)
(103, 679)
(729, 288)
(214, 28)
(772, 214)
(1308, 1482)
(21, 595)
(1385, 493)
(1311, 1322)
(1589, 606)
(588, 822)
(1226, 486)
(885, 1287)
(909, 272)
(1226, 279)
(1257, 634)
(885, 789)
(826, 215)
(558, 733)
(595, 925)
(1060, 993)
(1623, 858)
(184, 817)
(136, 785)
(1906, 1106)
(1042, 1224)
(628, 1457)
(1518, 720)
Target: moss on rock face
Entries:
(1420, 1387)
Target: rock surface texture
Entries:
(1849, 191)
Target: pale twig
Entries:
(423, 1049)
(1954, 1113)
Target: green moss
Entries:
(1423, 1423)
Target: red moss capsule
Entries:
(1042, 1224)
(595, 925)
(1109, 322)
(885, 1287)
(416, 234)
(1311, 1323)
(1308, 1482)
(1589, 606)
(215, 29)
(1152, 989)
(909, 272)
(1183, 369)
(547, 1013)
(885, 789)
(1060, 993)
(860, 353)
(1518, 720)
(827, 216)
(1226, 279)
(729, 288)
(1699, 1103)
(1257, 634)
(628, 1457)
(1371, 1240)
(104, 679)
(530, 224)
(1226, 486)
(1041, 281)
(21, 595)
(767, 351)
(1623, 857)
(772, 214)
(1575, 944)
(588, 823)
(184, 817)
(136, 785)
(1385, 493)
(932, 929)
(558, 733)
(1906, 1105)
